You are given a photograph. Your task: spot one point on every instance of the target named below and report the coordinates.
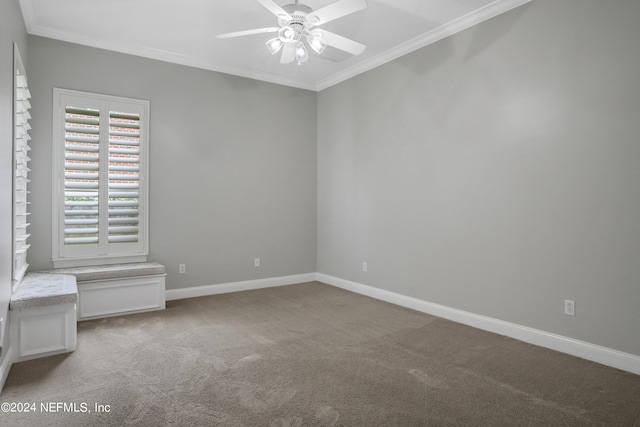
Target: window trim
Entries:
(59, 257)
(20, 167)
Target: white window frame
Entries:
(21, 170)
(102, 252)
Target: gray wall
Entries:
(233, 163)
(11, 30)
(496, 171)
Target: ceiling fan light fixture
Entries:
(286, 34)
(317, 42)
(298, 31)
(301, 53)
(274, 45)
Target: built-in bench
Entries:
(43, 315)
(46, 305)
(112, 290)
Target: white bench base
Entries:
(117, 289)
(114, 297)
(42, 314)
(44, 331)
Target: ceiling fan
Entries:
(298, 27)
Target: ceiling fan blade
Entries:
(288, 53)
(343, 43)
(247, 32)
(335, 10)
(275, 9)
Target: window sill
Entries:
(103, 260)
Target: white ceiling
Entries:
(183, 32)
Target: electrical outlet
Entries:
(569, 307)
(365, 267)
(182, 268)
(256, 262)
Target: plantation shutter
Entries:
(81, 176)
(104, 192)
(21, 177)
(124, 176)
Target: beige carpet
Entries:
(311, 354)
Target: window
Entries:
(21, 170)
(100, 160)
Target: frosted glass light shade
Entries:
(317, 42)
(274, 45)
(301, 53)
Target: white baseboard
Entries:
(606, 356)
(8, 357)
(595, 353)
(224, 288)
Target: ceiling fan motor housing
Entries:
(298, 14)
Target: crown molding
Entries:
(28, 14)
(166, 56)
(466, 21)
(489, 11)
